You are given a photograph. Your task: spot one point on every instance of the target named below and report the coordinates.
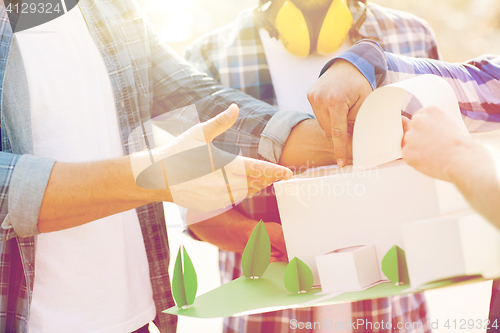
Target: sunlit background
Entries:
(464, 29)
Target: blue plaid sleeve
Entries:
(368, 58)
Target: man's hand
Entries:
(199, 175)
(434, 144)
(278, 247)
(336, 98)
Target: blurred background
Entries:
(464, 29)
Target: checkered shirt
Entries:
(148, 79)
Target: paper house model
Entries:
(453, 245)
(352, 268)
(331, 208)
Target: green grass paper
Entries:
(257, 253)
(298, 276)
(394, 266)
(245, 296)
(184, 281)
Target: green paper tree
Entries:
(394, 266)
(184, 281)
(298, 277)
(257, 253)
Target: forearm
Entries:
(228, 231)
(78, 193)
(476, 173)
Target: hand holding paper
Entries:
(433, 142)
(437, 146)
(336, 98)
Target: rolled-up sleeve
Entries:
(23, 179)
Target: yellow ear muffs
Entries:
(293, 30)
(335, 28)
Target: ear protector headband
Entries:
(298, 33)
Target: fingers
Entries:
(221, 123)
(406, 126)
(261, 174)
(278, 257)
(340, 136)
(266, 171)
(275, 232)
(335, 98)
(332, 117)
(406, 123)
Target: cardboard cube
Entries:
(352, 268)
(452, 245)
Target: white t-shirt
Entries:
(94, 277)
(292, 77)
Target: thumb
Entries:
(406, 123)
(406, 126)
(221, 123)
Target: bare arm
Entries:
(476, 174)
(78, 193)
(230, 231)
(308, 146)
(83, 192)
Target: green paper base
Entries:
(245, 296)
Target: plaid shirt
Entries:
(234, 56)
(148, 79)
(476, 82)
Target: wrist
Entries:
(463, 157)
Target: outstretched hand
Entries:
(201, 176)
